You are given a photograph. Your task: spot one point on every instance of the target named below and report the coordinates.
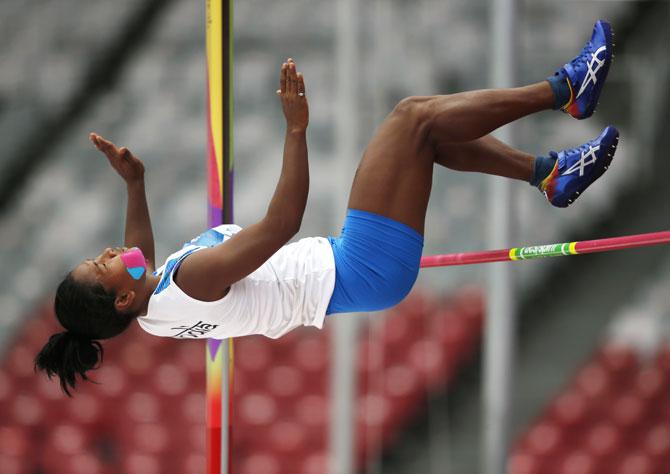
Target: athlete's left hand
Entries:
(293, 100)
(129, 167)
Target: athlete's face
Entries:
(108, 269)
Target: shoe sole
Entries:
(611, 141)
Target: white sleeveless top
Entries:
(292, 288)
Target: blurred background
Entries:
(591, 372)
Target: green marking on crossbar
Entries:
(541, 251)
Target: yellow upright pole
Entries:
(219, 33)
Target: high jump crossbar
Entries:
(551, 250)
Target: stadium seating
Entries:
(613, 418)
(147, 413)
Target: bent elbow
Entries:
(293, 227)
(285, 227)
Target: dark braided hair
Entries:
(87, 312)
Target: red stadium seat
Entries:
(544, 439)
(20, 361)
(63, 442)
(398, 332)
(369, 442)
(620, 361)
(603, 440)
(85, 463)
(523, 463)
(313, 410)
(195, 463)
(312, 354)
(657, 441)
(170, 379)
(415, 307)
(650, 383)
(427, 357)
(373, 410)
(370, 355)
(570, 409)
(637, 463)
(285, 381)
(190, 355)
(401, 381)
(197, 437)
(47, 389)
(373, 424)
(241, 382)
(257, 409)
(403, 388)
(36, 332)
(151, 438)
(663, 409)
(87, 411)
(627, 411)
(15, 441)
(253, 354)
(193, 409)
(578, 462)
(16, 465)
(27, 410)
(112, 379)
(257, 463)
(137, 359)
(453, 332)
(142, 463)
(143, 407)
(593, 380)
(287, 437)
(662, 359)
(315, 463)
(7, 387)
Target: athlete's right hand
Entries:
(129, 167)
(293, 98)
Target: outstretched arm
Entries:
(207, 274)
(290, 196)
(130, 168)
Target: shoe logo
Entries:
(590, 154)
(591, 71)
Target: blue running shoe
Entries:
(577, 168)
(587, 72)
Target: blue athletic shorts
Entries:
(376, 263)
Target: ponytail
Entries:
(88, 313)
(68, 354)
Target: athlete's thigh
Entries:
(395, 174)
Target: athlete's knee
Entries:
(413, 106)
(415, 114)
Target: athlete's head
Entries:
(97, 300)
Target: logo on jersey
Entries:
(197, 330)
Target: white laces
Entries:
(581, 165)
(592, 71)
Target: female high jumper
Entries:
(232, 282)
